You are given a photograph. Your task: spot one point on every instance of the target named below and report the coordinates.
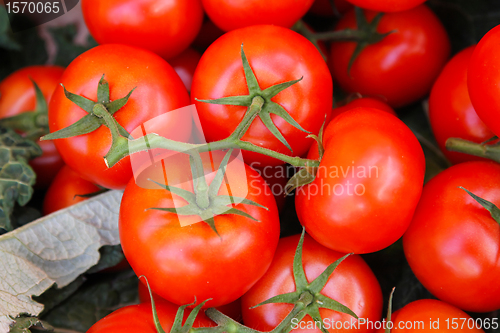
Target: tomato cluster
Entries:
(199, 220)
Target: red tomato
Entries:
(232, 310)
(387, 5)
(431, 316)
(483, 75)
(366, 102)
(206, 265)
(367, 185)
(403, 66)
(452, 243)
(64, 189)
(159, 90)
(185, 65)
(352, 284)
(276, 55)
(165, 28)
(229, 15)
(324, 8)
(451, 112)
(17, 95)
(139, 318)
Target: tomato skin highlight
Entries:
(452, 242)
(482, 79)
(64, 189)
(206, 265)
(158, 90)
(400, 68)
(353, 284)
(17, 95)
(430, 315)
(166, 29)
(139, 318)
(230, 15)
(387, 5)
(451, 112)
(367, 186)
(276, 55)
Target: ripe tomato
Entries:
(431, 315)
(206, 265)
(229, 15)
(276, 55)
(17, 95)
(165, 28)
(232, 310)
(452, 243)
(185, 65)
(64, 189)
(366, 102)
(352, 284)
(139, 318)
(387, 5)
(451, 112)
(403, 66)
(483, 75)
(367, 185)
(158, 90)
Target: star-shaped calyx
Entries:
(99, 113)
(310, 293)
(205, 201)
(269, 107)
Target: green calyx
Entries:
(268, 107)
(205, 201)
(33, 123)
(489, 206)
(99, 113)
(309, 294)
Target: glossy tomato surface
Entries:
(482, 79)
(451, 113)
(452, 243)
(402, 67)
(352, 284)
(229, 15)
(139, 318)
(276, 55)
(64, 190)
(165, 28)
(206, 265)
(432, 315)
(17, 95)
(387, 5)
(367, 185)
(158, 91)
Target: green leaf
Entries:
(16, 176)
(67, 50)
(97, 298)
(23, 325)
(55, 249)
(109, 256)
(300, 178)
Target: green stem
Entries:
(252, 112)
(201, 189)
(491, 152)
(128, 147)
